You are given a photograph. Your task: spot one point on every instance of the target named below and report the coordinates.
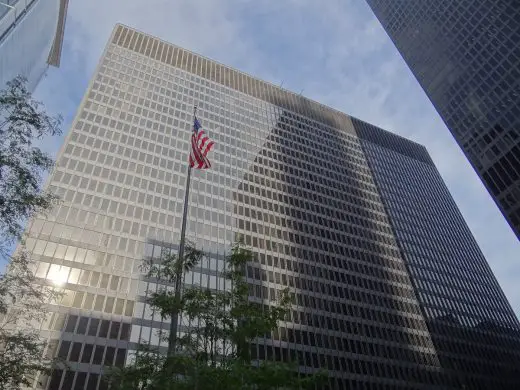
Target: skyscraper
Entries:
(392, 291)
(466, 55)
(31, 37)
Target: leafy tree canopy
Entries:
(215, 351)
(23, 122)
(22, 309)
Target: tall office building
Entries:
(466, 56)
(392, 291)
(31, 37)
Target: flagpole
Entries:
(172, 339)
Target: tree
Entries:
(215, 351)
(22, 302)
(23, 122)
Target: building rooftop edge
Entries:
(283, 90)
(54, 58)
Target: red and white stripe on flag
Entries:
(200, 147)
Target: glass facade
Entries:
(31, 33)
(302, 183)
(465, 55)
(474, 330)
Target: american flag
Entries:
(200, 147)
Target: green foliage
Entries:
(23, 122)
(170, 265)
(22, 303)
(215, 351)
(170, 270)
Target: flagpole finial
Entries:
(194, 110)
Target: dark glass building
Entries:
(466, 56)
(390, 289)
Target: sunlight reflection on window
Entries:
(58, 275)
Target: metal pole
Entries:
(172, 338)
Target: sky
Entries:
(332, 51)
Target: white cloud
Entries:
(335, 50)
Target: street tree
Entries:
(23, 124)
(22, 309)
(214, 351)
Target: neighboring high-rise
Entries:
(392, 291)
(466, 56)
(31, 37)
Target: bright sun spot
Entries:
(58, 276)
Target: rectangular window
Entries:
(75, 351)
(82, 325)
(71, 323)
(109, 306)
(120, 357)
(119, 306)
(69, 379)
(109, 356)
(93, 327)
(114, 330)
(125, 331)
(98, 304)
(98, 354)
(78, 299)
(64, 349)
(103, 330)
(55, 380)
(81, 378)
(89, 301)
(87, 353)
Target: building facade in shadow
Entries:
(465, 55)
